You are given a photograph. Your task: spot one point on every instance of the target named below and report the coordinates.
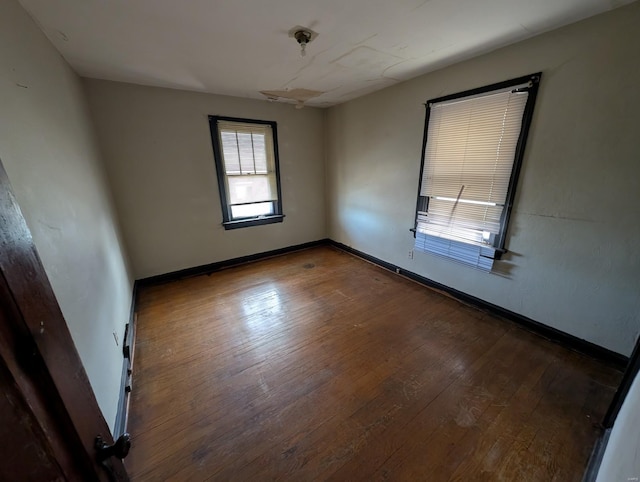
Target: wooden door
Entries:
(49, 416)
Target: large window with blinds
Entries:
(246, 156)
(472, 152)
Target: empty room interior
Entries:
(300, 240)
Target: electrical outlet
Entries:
(411, 254)
(115, 337)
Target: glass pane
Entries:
(468, 161)
(248, 189)
(230, 152)
(252, 210)
(471, 147)
(260, 153)
(246, 153)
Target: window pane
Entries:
(247, 168)
(244, 152)
(230, 152)
(451, 217)
(471, 146)
(245, 146)
(468, 161)
(249, 189)
(252, 210)
(260, 153)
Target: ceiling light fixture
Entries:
(303, 36)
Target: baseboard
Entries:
(121, 416)
(569, 341)
(565, 339)
(548, 332)
(553, 334)
(213, 267)
(630, 374)
(128, 344)
(597, 454)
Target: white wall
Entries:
(574, 260)
(49, 152)
(158, 154)
(621, 460)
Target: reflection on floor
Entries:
(317, 365)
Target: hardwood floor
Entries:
(317, 365)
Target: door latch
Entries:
(119, 449)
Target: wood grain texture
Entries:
(37, 349)
(317, 365)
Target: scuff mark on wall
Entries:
(558, 216)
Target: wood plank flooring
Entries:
(317, 365)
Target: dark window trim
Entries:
(246, 222)
(227, 220)
(527, 117)
(517, 162)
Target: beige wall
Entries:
(158, 153)
(48, 149)
(574, 261)
(574, 241)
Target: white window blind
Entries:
(468, 161)
(247, 152)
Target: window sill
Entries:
(245, 223)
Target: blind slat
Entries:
(468, 160)
(247, 151)
(246, 148)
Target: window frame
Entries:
(227, 219)
(498, 246)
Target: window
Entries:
(473, 147)
(246, 155)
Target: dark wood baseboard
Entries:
(597, 454)
(311, 345)
(121, 416)
(629, 376)
(569, 341)
(128, 348)
(553, 334)
(213, 267)
(572, 342)
(548, 332)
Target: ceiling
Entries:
(242, 47)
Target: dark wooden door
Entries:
(49, 416)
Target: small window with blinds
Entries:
(473, 148)
(246, 156)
